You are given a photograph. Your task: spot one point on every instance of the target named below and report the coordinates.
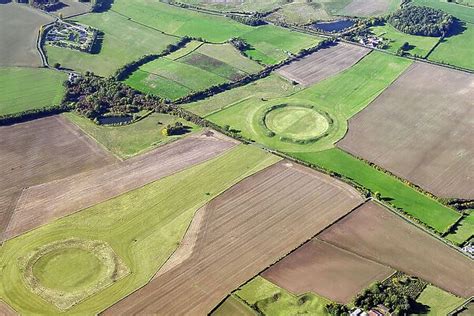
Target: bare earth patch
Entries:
(40, 151)
(244, 230)
(59, 198)
(6, 310)
(327, 270)
(19, 29)
(421, 129)
(373, 232)
(323, 64)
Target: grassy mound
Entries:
(68, 271)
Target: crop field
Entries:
(399, 194)
(233, 306)
(464, 231)
(123, 42)
(41, 151)
(244, 230)
(439, 301)
(197, 70)
(45, 88)
(273, 300)
(323, 64)
(19, 28)
(132, 139)
(375, 233)
(89, 188)
(412, 131)
(270, 43)
(419, 45)
(336, 99)
(369, 8)
(327, 270)
(72, 8)
(6, 310)
(143, 227)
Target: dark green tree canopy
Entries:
(418, 20)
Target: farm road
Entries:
(244, 230)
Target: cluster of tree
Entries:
(252, 20)
(46, 5)
(123, 73)
(418, 20)
(177, 129)
(239, 44)
(336, 309)
(389, 295)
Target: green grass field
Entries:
(234, 306)
(24, 89)
(422, 44)
(189, 48)
(270, 42)
(464, 231)
(193, 70)
(128, 140)
(143, 227)
(395, 191)
(439, 301)
(340, 96)
(124, 41)
(273, 300)
(457, 50)
(461, 12)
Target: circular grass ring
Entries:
(296, 123)
(68, 271)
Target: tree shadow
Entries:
(184, 130)
(97, 46)
(103, 5)
(419, 308)
(457, 28)
(5, 1)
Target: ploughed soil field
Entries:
(244, 230)
(375, 233)
(6, 310)
(72, 8)
(19, 27)
(40, 151)
(327, 270)
(369, 7)
(420, 128)
(62, 197)
(323, 64)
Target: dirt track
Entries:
(327, 270)
(62, 197)
(245, 229)
(40, 151)
(323, 63)
(421, 129)
(373, 232)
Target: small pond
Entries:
(110, 120)
(334, 26)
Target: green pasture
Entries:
(273, 300)
(457, 50)
(340, 97)
(124, 41)
(233, 306)
(438, 301)
(266, 88)
(153, 84)
(464, 230)
(421, 44)
(270, 42)
(242, 6)
(461, 12)
(24, 89)
(397, 193)
(143, 226)
(128, 140)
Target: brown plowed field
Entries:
(19, 29)
(375, 233)
(62, 197)
(40, 151)
(6, 310)
(323, 64)
(327, 270)
(244, 230)
(421, 129)
(367, 7)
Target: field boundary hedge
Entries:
(29, 115)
